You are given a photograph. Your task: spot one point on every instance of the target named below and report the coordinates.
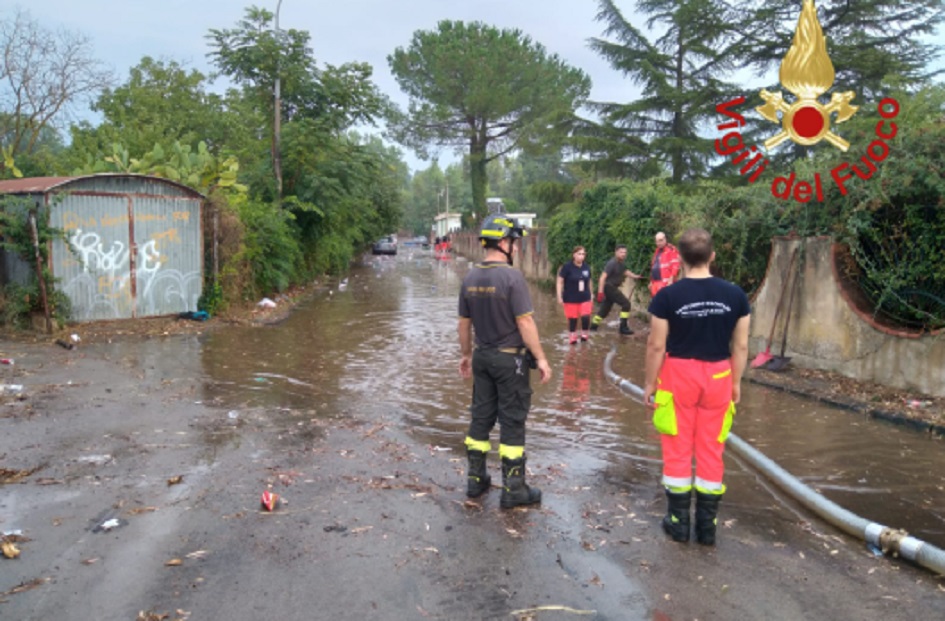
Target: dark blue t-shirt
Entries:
(577, 283)
(702, 313)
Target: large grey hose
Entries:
(889, 540)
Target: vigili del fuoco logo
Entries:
(807, 73)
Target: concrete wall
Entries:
(532, 260)
(826, 329)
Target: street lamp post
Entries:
(277, 121)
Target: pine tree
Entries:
(680, 69)
(870, 42)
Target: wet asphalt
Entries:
(352, 412)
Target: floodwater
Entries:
(384, 341)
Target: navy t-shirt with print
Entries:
(577, 283)
(702, 313)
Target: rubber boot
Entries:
(676, 522)
(514, 490)
(624, 327)
(707, 511)
(478, 480)
(595, 323)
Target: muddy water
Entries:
(385, 342)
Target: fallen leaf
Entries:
(174, 562)
(9, 549)
(362, 529)
(90, 561)
(175, 480)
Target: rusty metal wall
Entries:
(138, 250)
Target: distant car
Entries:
(385, 245)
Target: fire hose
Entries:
(891, 541)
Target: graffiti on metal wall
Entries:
(102, 288)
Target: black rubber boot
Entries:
(676, 522)
(478, 480)
(707, 511)
(624, 327)
(514, 490)
(595, 325)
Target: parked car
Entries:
(385, 245)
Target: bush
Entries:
(270, 247)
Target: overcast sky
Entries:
(123, 31)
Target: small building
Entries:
(525, 219)
(446, 223)
(137, 248)
(494, 204)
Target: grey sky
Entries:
(123, 31)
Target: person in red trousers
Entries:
(696, 354)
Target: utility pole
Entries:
(277, 121)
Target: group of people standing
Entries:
(696, 353)
(442, 247)
(576, 293)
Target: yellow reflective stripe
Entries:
(488, 233)
(511, 452)
(482, 446)
(709, 487)
(624, 315)
(725, 373)
(727, 422)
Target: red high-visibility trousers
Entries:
(702, 393)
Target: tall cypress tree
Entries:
(680, 69)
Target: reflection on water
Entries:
(385, 345)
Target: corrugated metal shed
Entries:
(136, 241)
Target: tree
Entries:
(328, 100)
(679, 71)
(42, 75)
(868, 41)
(488, 91)
(159, 104)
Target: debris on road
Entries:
(270, 500)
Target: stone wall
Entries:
(827, 330)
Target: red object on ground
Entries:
(270, 500)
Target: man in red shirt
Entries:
(664, 268)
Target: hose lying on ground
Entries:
(890, 540)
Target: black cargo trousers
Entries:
(501, 392)
(612, 295)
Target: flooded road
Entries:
(384, 344)
(353, 412)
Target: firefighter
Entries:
(695, 357)
(609, 293)
(494, 300)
